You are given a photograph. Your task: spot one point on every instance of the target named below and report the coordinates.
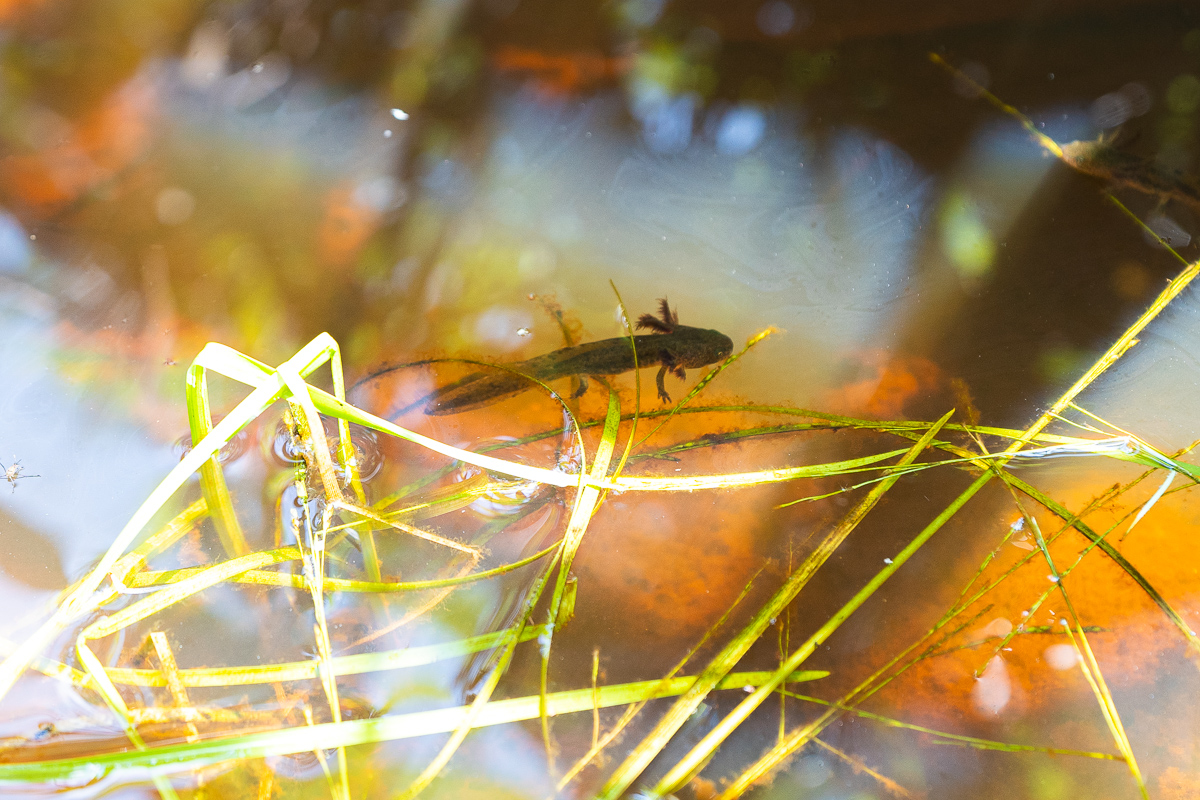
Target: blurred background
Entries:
(416, 178)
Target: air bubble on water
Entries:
(231, 451)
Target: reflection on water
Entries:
(836, 235)
(448, 179)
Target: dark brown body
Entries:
(1101, 159)
(682, 348)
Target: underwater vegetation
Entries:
(606, 567)
(369, 545)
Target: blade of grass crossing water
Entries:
(473, 713)
(357, 664)
(637, 385)
(482, 699)
(212, 476)
(682, 771)
(113, 698)
(1095, 678)
(1109, 550)
(797, 739)
(598, 742)
(79, 601)
(302, 738)
(576, 528)
(942, 737)
(262, 578)
(773, 757)
(1091, 669)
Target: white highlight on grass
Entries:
(1152, 501)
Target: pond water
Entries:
(442, 185)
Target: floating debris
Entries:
(15, 473)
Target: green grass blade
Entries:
(357, 664)
(942, 737)
(303, 738)
(707, 746)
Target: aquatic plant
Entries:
(331, 512)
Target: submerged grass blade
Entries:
(80, 601)
(637, 384)
(598, 742)
(357, 664)
(624, 776)
(798, 738)
(708, 745)
(943, 737)
(856, 764)
(1045, 141)
(258, 577)
(774, 756)
(173, 593)
(1109, 550)
(585, 507)
(212, 476)
(302, 738)
(164, 538)
(1095, 678)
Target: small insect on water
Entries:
(15, 473)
